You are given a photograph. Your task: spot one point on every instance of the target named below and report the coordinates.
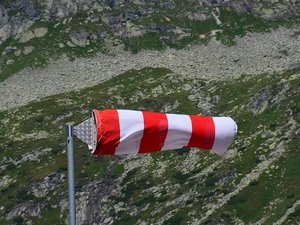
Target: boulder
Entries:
(4, 33)
(40, 31)
(10, 61)
(43, 188)
(80, 37)
(70, 44)
(27, 50)
(27, 36)
(18, 52)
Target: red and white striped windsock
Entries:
(132, 132)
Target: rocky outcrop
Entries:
(90, 200)
(25, 210)
(30, 34)
(50, 182)
(268, 97)
(5, 26)
(16, 16)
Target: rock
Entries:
(5, 181)
(216, 17)
(105, 19)
(97, 7)
(37, 32)
(4, 33)
(135, 14)
(60, 9)
(267, 13)
(27, 209)
(5, 26)
(90, 201)
(214, 32)
(40, 31)
(27, 50)
(22, 28)
(202, 36)
(272, 146)
(27, 36)
(42, 134)
(158, 28)
(10, 61)
(7, 50)
(43, 188)
(18, 52)
(80, 38)
(63, 204)
(70, 44)
(197, 16)
(133, 31)
(259, 102)
(107, 220)
(168, 107)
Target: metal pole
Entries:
(72, 209)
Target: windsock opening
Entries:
(225, 132)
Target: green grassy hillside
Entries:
(258, 180)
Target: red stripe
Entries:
(155, 132)
(108, 129)
(203, 132)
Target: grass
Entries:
(117, 170)
(280, 183)
(138, 89)
(51, 216)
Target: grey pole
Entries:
(72, 207)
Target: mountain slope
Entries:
(257, 181)
(33, 32)
(61, 59)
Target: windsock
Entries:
(117, 132)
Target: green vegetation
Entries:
(176, 30)
(280, 182)
(233, 24)
(117, 170)
(51, 46)
(168, 177)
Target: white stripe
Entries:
(131, 131)
(225, 131)
(179, 131)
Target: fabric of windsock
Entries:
(133, 132)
